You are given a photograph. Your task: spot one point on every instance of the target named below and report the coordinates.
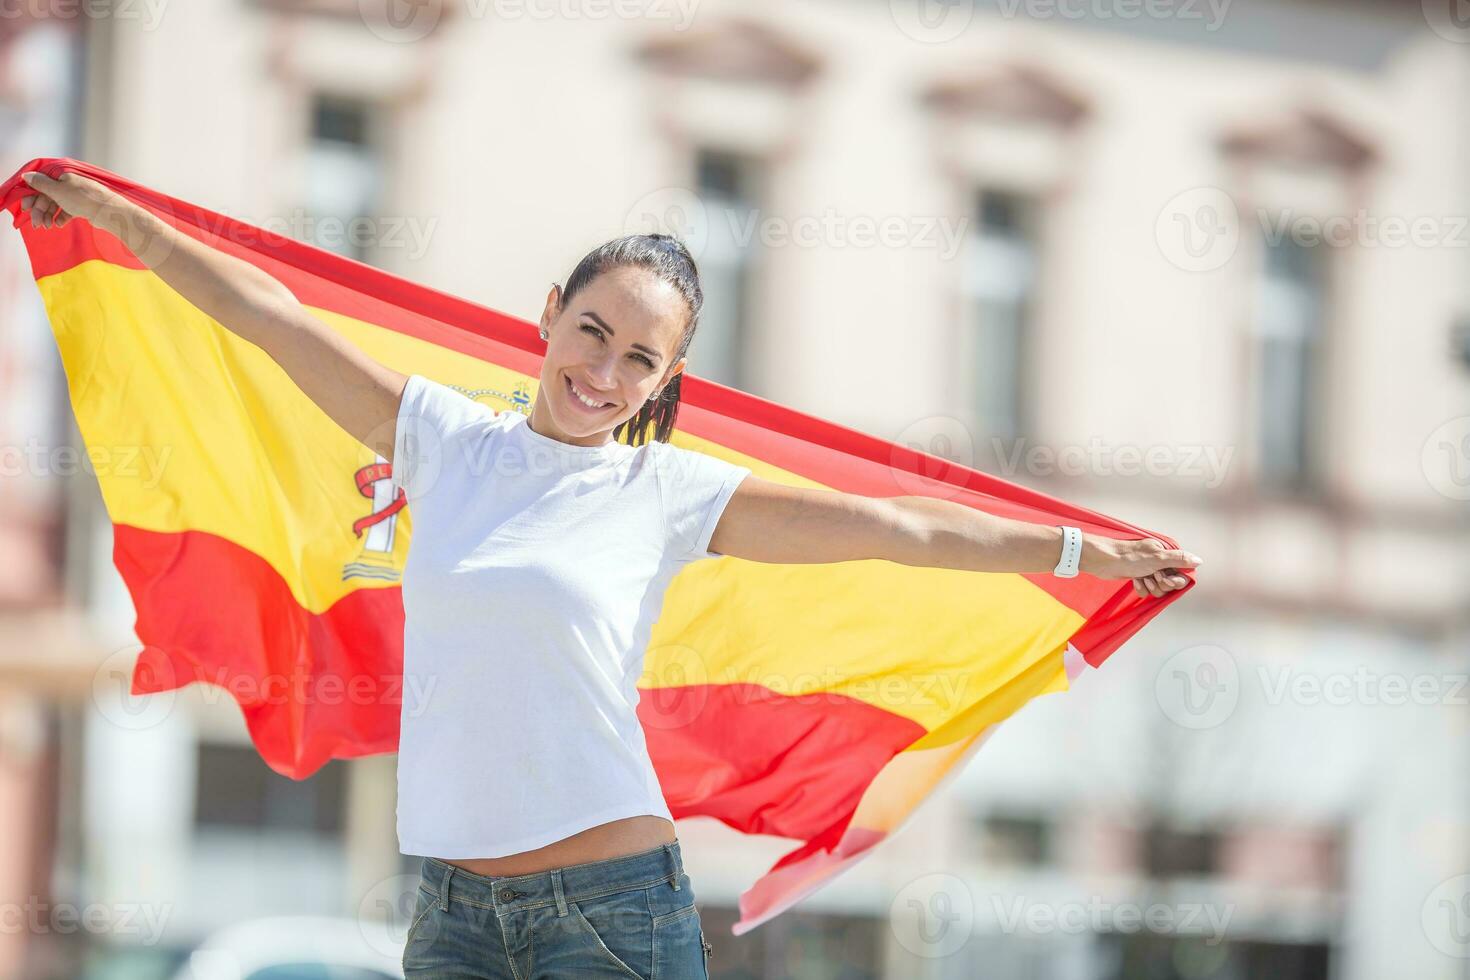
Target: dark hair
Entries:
(669, 259)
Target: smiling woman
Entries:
(617, 337)
(530, 593)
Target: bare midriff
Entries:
(609, 840)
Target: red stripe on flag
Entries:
(313, 687)
(799, 768)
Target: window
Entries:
(1014, 841)
(727, 185)
(1180, 957)
(236, 789)
(1171, 853)
(344, 174)
(1000, 286)
(1289, 340)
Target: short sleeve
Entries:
(430, 418)
(695, 487)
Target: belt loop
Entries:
(444, 889)
(561, 898)
(675, 864)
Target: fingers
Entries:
(1160, 583)
(45, 212)
(39, 205)
(44, 209)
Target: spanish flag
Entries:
(263, 547)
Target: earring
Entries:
(543, 335)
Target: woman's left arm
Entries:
(772, 522)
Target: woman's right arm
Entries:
(358, 393)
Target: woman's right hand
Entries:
(58, 200)
(358, 393)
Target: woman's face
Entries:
(612, 344)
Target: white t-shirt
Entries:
(536, 572)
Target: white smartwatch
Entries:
(1071, 552)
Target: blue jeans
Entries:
(630, 917)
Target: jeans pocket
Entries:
(679, 951)
(617, 934)
(424, 904)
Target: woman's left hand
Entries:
(1153, 566)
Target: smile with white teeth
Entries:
(581, 397)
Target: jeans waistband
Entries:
(575, 882)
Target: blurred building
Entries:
(1199, 266)
(47, 648)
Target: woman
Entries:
(528, 780)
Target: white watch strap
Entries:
(1071, 552)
